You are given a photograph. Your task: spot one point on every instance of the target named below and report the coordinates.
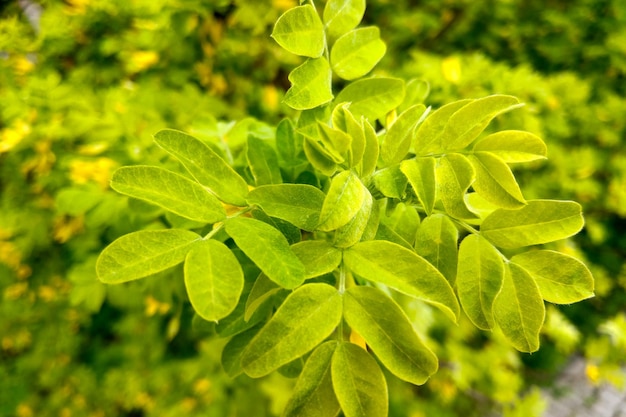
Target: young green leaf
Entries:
(310, 84)
(469, 121)
(262, 290)
(420, 173)
(427, 137)
(318, 257)
(495, 182)
(397, 141)
(206, 166)
(436, 242)
(513, 146)
(263, 162)
(562, 279)
(306, 318)
(170, 191)
(268, 249)
(289, 144)
(214, 279)
(313, 395)
(540, 221)
(343, 201)
(356, 131)
(231, 354)
(389, 333)
(319, 159)
(139, 254)
(372, 97)
(370, 153)
(300, 31)
(404, 220)
(359, 382)
(479, 278)
(404, 271)
(454, 176)
(356, 53)
(336, 142)
(299, 204)
(341, 16)
(350, 233)
(519, 310)
(391, 182)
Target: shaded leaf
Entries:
(262, 290)
(263, 162)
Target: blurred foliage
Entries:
(84, 85)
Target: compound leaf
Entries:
(427, 138)
(389, 333)
(306, 317)
(397, 141)
(146, 252)
(268, 249)
(420, 173)
(168, 190)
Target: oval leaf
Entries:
(519, 310)
(306, 318)
(495, 181)
(562, 279)
(357, 52)
(359, 383)
(313, 395)
(513, 146)
(397, 141)
(263, 162)
(341, 16)
(479, 278)
(268, 249)
(540, 221)
(437, 240)
(343, 201)
(403, 270)
(318, 257)
(206, 166)
(139, 254)
(310, 85)
(214, 280)
(300, 31)
(350, 233)
(427, 138)
(421, 175)
(454, 176)
(389, 333)
(372, 97)
(299, 204)
(168, 190)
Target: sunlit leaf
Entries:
(318, 257)
(300, 31)
(263, 162)
(341, 16)
(356, 53)
(427, 138)
(495, 181)
(343, 201)
(420, 173)
(310, 85)
(437, 242)
(454, 176)
(397, 141)
(513, 146)
(372, 97)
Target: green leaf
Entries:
(540, 221)
(359, 382)
(214, 280)
(170, 191)
(389, 333)
(513, 146)
(318, 257)
(470, 120)
(370, 154)
(454, 176)
(437, 239)
(206, 166)
(420, 173)
(289, 144)
(268, 249)
(341, 16)
(562, 279)
(350, 233)
(479, 279)
(397, 141)
(357, 52)
(299, 204)
(336, 143)
(343, 201)
(372, 97)
(231, 354)
(416, 92)
(310, 85)
(427, 138)
(519, 310)
(263, 162)
(404, 220)
(319, 159)
(139, 254)
(306, 318)
(495, 182)
(300, 31)
(403, 270)
(262, 290)
(313, 395)
(391, 182)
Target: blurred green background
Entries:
(85, 83)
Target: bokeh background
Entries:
(85, 83)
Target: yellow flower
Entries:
(76, 7)
(284, 4)
(22, 65)
(593, 373)
(98, 170)
(66, 227)
(42, 162)
(11, 136)
(141, 60)
(451, 68)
